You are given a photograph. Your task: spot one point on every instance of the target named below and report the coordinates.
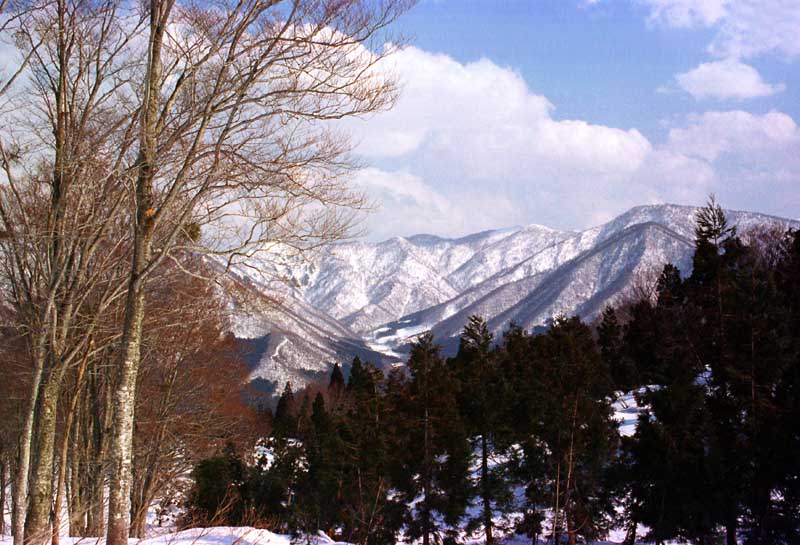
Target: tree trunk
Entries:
(487, 504)
(730, 533)
(556, 528)
(2, 497)
(630, 534)
(426, 485)
(124, 397)
(37, 523)
(62, 458)
(100, 424)
(124, 401)
(427, 461)
(20, 494)
(77, 503)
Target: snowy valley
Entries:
(371, 299)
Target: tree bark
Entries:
(124, 401)
(3, 483)
(730, 533)
(124, 396)
(427, 461)
(62, 458)
(37, 522)
(20, 507)
(487, 504)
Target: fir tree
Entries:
(481, 385)
(336, 383)
(320, 489)
(372, 517)
(285, 421)
(436, 448)
(578, 428)
(609, 338)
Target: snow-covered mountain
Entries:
(370, 299)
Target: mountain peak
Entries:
(375, 296)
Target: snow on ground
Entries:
(626, 412)
(221, 535)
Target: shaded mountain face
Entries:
(371, 299)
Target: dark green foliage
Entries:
(711, 454)
(577, 426)
(369, 515)
(337, 379)
(610, 339)
(526, 424)
(219, 494)
(435, 461)
(284, 422)
(477, 370)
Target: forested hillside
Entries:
(518, 435)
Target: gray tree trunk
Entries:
(37, 522)
(124, 395)
(124, 401)
(20, 492)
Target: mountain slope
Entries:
(283, 338)
(370, 299)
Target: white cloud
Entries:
(472, 146)
(744, 28)
(756, 27)
(751, 137)
(687, 13)
(726, 79)
(485, 118)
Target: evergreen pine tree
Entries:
(336, 382)
(318, 494)
(436, 450)
(577, 428)
(481, 385)
(609, 338)
(372, 516)
(356, 371)
(285, 421)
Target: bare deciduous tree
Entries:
(233, 132)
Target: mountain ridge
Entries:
(371, 298)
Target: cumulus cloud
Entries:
(750, 137)
(726, 79)
(744, 28)
(755, 158)
(755, 27)
(471, 146)
(485, 118)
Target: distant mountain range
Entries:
(372, 299)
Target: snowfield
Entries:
(221, 535)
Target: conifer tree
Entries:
(525, 403)
(578, 428)
(371, 515)
(481, 385)
(284, 422)
(356, 370)
(436, 454)
(319, 492)
(336, 382)
(609, 338)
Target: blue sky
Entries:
(567, 112)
